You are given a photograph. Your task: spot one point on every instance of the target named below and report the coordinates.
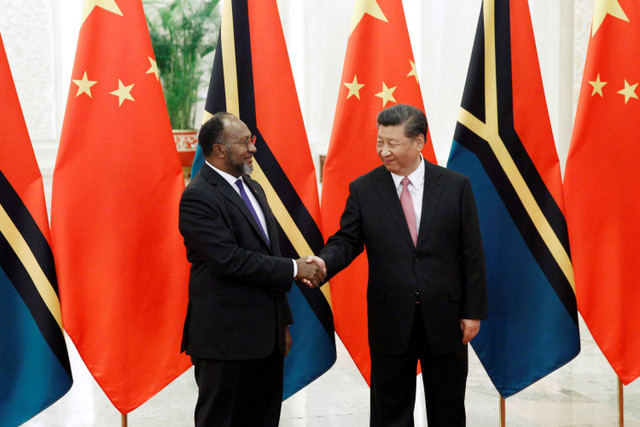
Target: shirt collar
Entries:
(227, 176)
(416, 177)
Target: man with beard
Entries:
(236, 326)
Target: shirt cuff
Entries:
(295, 268)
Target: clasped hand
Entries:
(311, 271)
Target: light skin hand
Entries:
(310, 273)
(470, 328)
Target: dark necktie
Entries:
(247, 201)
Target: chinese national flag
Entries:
(601, 186)
(379, 71)
(117, 182)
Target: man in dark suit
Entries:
(236, 326)
(427, 288)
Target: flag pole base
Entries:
(620, 403)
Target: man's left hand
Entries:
(287, 340)
(470, 328)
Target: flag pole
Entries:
(503, 417)
(620, 403)
(124, 420)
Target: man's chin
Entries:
(247, 169)
(389, 168)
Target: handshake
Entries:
(311, 271)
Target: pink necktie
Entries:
(407, 207)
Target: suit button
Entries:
(416, 260)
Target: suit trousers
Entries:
(393, 383)
(239, 393)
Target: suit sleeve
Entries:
(474, 304)
(346, 244)
(210, 238)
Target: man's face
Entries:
(399, 153)
(239, 155)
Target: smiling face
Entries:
(399, 154)
(239, 155)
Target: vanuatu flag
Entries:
(503, 142)
(34, 366)
(252, 79)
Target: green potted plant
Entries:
(182, 33)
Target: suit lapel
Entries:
(272, 230)
(430, 198)
(232, 195)
(389, 196)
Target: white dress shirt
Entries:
(256, 206)
(232, 181)
(416, 189)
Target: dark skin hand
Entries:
(288, 341)
(310, 273)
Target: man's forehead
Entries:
(234, 126)
(391, 132)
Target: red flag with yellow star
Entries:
(378, 72)
(117, 182)
(601, 186)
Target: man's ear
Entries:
(219, 150)
(420, 141)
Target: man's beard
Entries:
(241, 167)
(246, 169)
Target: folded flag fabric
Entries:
(34, 365)
(503, 142)
(601, 186)
(117, 184)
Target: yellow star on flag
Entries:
(84, 85)
(601, 9)
(363, 7)
(597, 86)
(354, 87)
(109, 5)
(386, 94)
(629, 91)
(123, 92)
(413, 71)
(153, 69)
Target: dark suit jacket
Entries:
(237, 309)
(447, 268)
